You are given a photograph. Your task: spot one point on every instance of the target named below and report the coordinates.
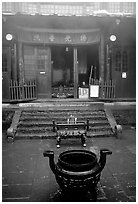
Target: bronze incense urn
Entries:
(78, 171)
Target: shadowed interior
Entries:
(78, 158)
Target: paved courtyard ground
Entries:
(27, 177)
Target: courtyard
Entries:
(27, 177)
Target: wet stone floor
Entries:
(27, 177)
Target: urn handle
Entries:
(103, 153)
(50, 154)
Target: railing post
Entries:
(54, 126)
(87, 124)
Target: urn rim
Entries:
(77, 160)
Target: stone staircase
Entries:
(38, 122)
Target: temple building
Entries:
(68, 50)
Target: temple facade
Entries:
(70, 50)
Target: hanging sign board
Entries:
(83, 93)
(94, 90)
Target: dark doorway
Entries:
(88, 63)
(62, 66)
(62, 71)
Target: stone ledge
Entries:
(13, 127)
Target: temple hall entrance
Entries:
(88, 64)
(72, 68)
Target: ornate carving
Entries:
(52, 38)
(36, 37)
(83, 38)
(68, 38)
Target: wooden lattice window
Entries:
(4, 62)
(118, 61)
(121, 59)
(29, 62)
(42, 58)
(124, 61)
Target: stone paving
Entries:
(27, 177)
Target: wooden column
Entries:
(21, 69)
(15, 62)
(50, 73)
(21, 66)
(102, 58)
(75, 73)
(107, 64)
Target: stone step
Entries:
(35, 129)
(52, 135)
(61, 118)
(99, 128)
(67, 104)
(38, 123)
(55, 112)
(100, 134)
(40, 135)
(44, 123)
(44, 129)
(67, 114)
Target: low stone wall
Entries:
(125, 117)
(7, 116)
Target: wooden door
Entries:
(120, 74)
(43, 72)
(6, 72)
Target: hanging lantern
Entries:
(9, 37)
(113, 38)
